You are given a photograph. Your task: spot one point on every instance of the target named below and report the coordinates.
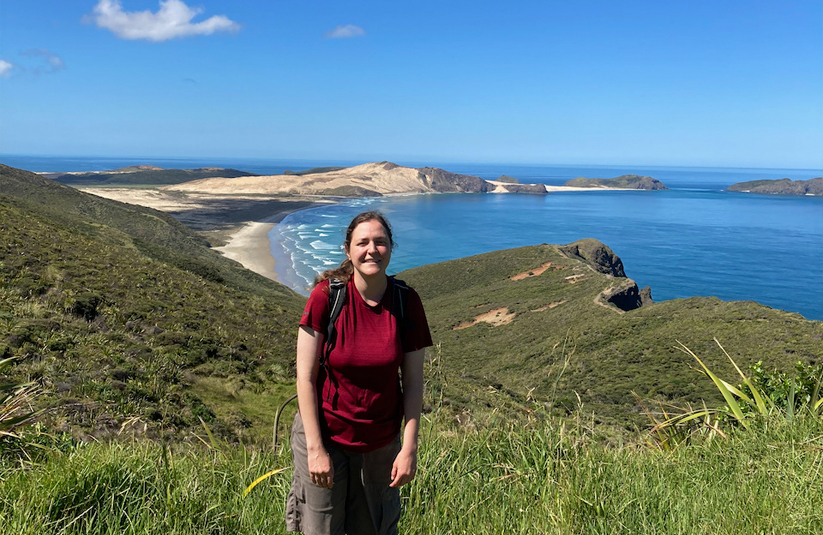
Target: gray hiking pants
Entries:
(360, 502)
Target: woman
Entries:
(348, 458)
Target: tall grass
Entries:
(549, 481)
(544, 478)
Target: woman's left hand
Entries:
(404, 468)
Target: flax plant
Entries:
(15, 404)
(744, 403)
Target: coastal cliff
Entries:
(783, 186)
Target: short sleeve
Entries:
(316, 313)
(417, 334)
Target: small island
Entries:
(783, 186)
(621, 182)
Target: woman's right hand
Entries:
(321, 468)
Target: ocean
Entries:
(694, 240)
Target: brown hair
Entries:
(345, 270)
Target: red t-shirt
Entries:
(361, 403)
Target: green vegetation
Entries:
(565, 344)
(143, 176)
(623, 181)
(15, 403)
(130, 324)
(762, 395)
(137, 333)
(545, 477)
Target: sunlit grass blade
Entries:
(262, 478)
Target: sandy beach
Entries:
(237, 226)
(251, 246)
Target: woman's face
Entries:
(370, 249)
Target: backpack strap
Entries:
(337, 298)
(400, 301)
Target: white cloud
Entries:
(53, 61)
(5, 68)
(173, 19)
(345, 32)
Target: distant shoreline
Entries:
(227, 218)
(251, 246)
(246, 241)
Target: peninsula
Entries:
(383, 178)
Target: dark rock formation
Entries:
(526, 188)
(597, 255)
(508, 179)
(783, 186)
(625, 297)
(446, 182)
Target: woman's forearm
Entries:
(309, 343)
(412, 397)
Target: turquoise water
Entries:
(695, 239)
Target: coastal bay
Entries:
(696, 239)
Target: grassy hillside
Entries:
(132, 326)
(120, 311)
(562, 341)
(544, 478)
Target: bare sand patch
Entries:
(577, 277)
(532, 272)
(550, 306)
(498, 316)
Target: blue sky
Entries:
(704, 83)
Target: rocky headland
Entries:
(783, 186)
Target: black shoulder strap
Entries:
(400, 301)
(337, 297)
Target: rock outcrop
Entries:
(443, 181)
(625, 294)
(597, 255)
